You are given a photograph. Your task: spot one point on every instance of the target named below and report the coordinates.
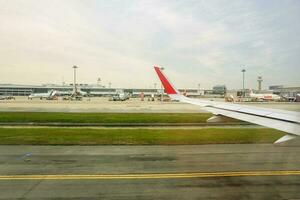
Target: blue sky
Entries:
(198, 42)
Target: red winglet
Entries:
(169, 89)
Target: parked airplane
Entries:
(120, 97)
(82, 93)
(101, 93)
(52, 94)
(64, 93)
(264, 97)
(7, 97)
(286, 121)
(75, 95)
(79, 92)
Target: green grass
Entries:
(84, 136)
(38, 117)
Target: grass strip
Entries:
(78, 136)
(44, 117)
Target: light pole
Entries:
(244, 82)
(162, 90)
(75, 86)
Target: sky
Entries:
(119, 41)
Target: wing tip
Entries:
(169, 88)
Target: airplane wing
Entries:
(286, 121)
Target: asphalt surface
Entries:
(155, 172)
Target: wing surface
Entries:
(287, 121)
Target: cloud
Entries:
(205, 42)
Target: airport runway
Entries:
(150, 172)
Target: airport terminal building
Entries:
(98, 90)
(95, 90)
(285, 91)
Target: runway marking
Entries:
(150, 176)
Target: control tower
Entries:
(259, 80)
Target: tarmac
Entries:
(97, 104)
(241, 171)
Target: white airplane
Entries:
(122, 96)
(64, 93)
(49, 95)
(7, 97)
(264, 97)
(287, 121)
(82, 93)
(79, 92)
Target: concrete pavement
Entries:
(142, 160)
(97, 104)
